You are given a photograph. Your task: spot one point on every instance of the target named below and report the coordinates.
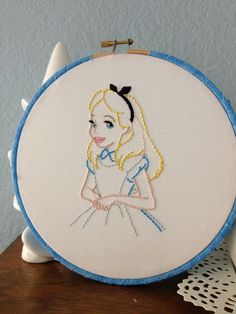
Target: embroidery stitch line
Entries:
(156, 223)
(76, 219)
(131, 221)
(89, 168)
(121, 212)
(108, 153)
(161, 162)
(106, 220)
(107, 215)
(145, 166)
(130, 154)
(148, 215)
(89, 217)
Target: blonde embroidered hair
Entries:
(136, 141)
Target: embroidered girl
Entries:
(121, 161)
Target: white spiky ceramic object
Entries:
(32, 251)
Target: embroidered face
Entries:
(104, 126)
(117, 122)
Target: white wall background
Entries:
(202, 32)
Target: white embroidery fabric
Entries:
(212, 283)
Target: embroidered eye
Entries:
(92, 123)
(109, 124)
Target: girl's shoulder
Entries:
(141, 165)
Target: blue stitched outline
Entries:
(100, 155)
(119, 281)
(155, 222)
(145, 166)
(152, 219)
(107, 154)
(131, 189)
(89, 168)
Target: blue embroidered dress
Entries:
(110, 180)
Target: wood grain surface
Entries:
(51, 288)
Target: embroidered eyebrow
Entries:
(107, 115)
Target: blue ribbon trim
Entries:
(106, 153)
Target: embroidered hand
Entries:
(104, 203)
(97, 205)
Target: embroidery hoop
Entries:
(126, 281)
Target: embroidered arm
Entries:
(144, 200)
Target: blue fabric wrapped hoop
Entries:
(126, 281)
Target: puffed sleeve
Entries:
(142, 165)
(90, 167)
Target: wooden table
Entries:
(51, 288)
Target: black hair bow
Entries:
(124, 91)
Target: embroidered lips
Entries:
(98, 139)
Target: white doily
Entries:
(212, 283)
